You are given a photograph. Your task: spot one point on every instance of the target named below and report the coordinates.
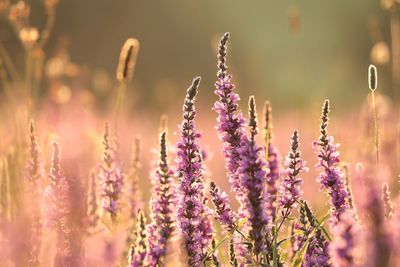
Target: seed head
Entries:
(127, 60)
(372, 77)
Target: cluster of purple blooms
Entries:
(162, 224)
(193, 215)
(267, 197)
(331, 177)
(111, 177)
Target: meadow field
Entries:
(167, 133)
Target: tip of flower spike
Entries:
(295, 140)
(324, 123)
(163, 123)
(55, 163)
(163, 147)
(372, 77)
(212, 186)
(192, 90)
(267, 122)
(222, 67)
(31, 126)
(360, 167)
(252, 116)
(56, 149)
(191, 94)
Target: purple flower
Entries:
(377, 237)
(317, 252)
(112, 178)
(290, 191)
(33, 180)
(223, 212)
(34, 168)
(92, 216)
(135, 196)
(230, 122)
(139, 249)
(317, 247)
(331, 177)
(389, 209)
(273, 159)
(252, 176)
(272, 179)
(162, 202)
(192, 211)
(342, 249)
(57, 209)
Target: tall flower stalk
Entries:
(193, 214)
(331, 177)
(373, 84)
(223, 211)
(290, 191)
(273, 159)
(92, 215)
(252, 177)
(133, 176)
(33, 177)
(162, 221)
(377, 244)
(57, 209)
(313, 240)
(230, 122)
(139, 248)
(389, 209)
(111, 177)
(343, 248)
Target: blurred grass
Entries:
(326, 59)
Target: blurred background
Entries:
(58, 61)
(292, 53)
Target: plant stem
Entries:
(376, 132)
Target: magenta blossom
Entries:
(193, 213)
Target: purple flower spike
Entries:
(290, 191)
(223, 212)
(273, 160)
(139, 249)
(377, 243)
(252, 177)
(112, 178)
(331, 177)
(317, 252)
(389, 209)
(193, 213)
(230, 122)
(132, 179)
(57, 210)
(34, 175)
(342, 249)
(272, 179)
(92, 216)
(161, 226)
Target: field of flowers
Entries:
(85, 184)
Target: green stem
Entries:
(5, 58)
(376, 132)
